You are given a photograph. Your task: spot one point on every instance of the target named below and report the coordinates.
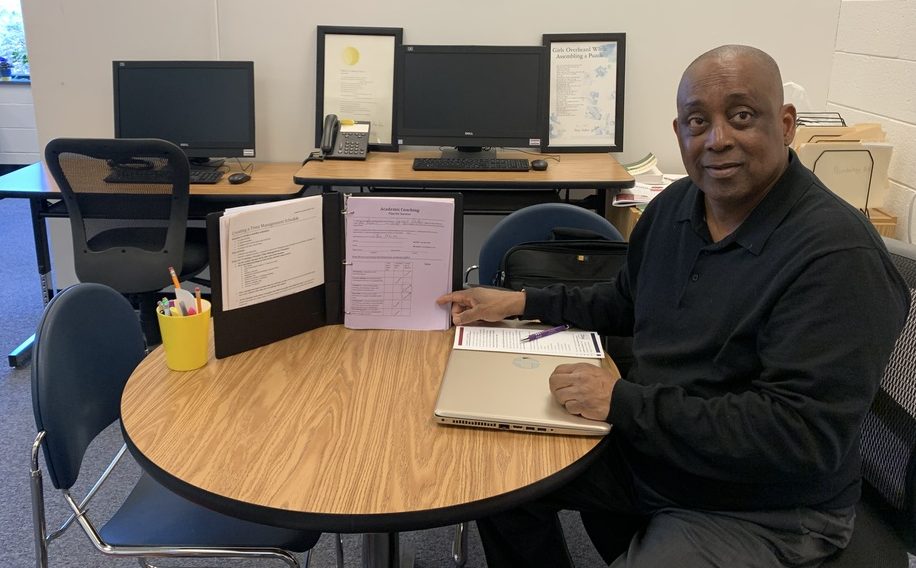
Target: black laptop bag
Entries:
(574, 257)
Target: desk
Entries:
(270, 181)
(595, 171)
(333, 430)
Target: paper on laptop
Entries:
(570, 343)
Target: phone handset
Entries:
(344, 140)
(329, 133)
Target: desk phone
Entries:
(344, 140)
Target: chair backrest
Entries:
(535, 223)
(86, 346)
(128, 205)
(889, 430)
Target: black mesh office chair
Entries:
(87, 344)
(128, 205)
(885, 515)
(884, 527)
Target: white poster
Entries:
(359, 81)
(583, 93)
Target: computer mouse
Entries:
(539, 165)
(239, 177)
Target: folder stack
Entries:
(851, 160)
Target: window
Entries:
(12, 40)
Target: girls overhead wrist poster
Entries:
(586, 80)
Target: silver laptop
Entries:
(508, 391)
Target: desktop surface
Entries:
(268, 181)
(395, 169)
(333, 430)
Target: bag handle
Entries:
(572, 233)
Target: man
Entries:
(763, 310)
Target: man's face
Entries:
(731, 129)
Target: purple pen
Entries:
(546, 332)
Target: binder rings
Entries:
(251, 326)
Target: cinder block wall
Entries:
(874, 80)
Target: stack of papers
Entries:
(650, 181)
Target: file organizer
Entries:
(241, 329)
(856, 171)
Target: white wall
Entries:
(72, 44)
(874, 80)
(18, 136)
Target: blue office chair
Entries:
(87, 344)
(534, 223)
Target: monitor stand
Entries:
(206, 163)
(468, 152)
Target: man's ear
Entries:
(789, 115)
(674, 125)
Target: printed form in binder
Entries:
(270, 250)
(398, 261)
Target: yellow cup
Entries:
(186, 339)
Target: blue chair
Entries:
(534, 223)
(87, 344)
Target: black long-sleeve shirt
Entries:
(756, 357)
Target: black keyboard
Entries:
(471, 164)
(129, 175)
(206, 176)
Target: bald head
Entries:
(725, 56)
(733, 127)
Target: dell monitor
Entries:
(206, 108)
(472, 97)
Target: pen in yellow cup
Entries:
(197, 298)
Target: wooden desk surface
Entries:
(387, 169)
(269, 180)
(333, 430)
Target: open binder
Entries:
(243, 328)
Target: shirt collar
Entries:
(763, 220)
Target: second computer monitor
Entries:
(204, 107)
(471, 97)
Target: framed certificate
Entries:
(356, 78)
(585, 92)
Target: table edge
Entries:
(367, 523)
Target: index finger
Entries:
(450, 297)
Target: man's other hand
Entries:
(584, 389)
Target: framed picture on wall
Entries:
(585, 92)
(356, 78)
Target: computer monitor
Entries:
(206, 108)
(472, 97)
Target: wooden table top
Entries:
(386, 169)
(268, 180)
(333, 430)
